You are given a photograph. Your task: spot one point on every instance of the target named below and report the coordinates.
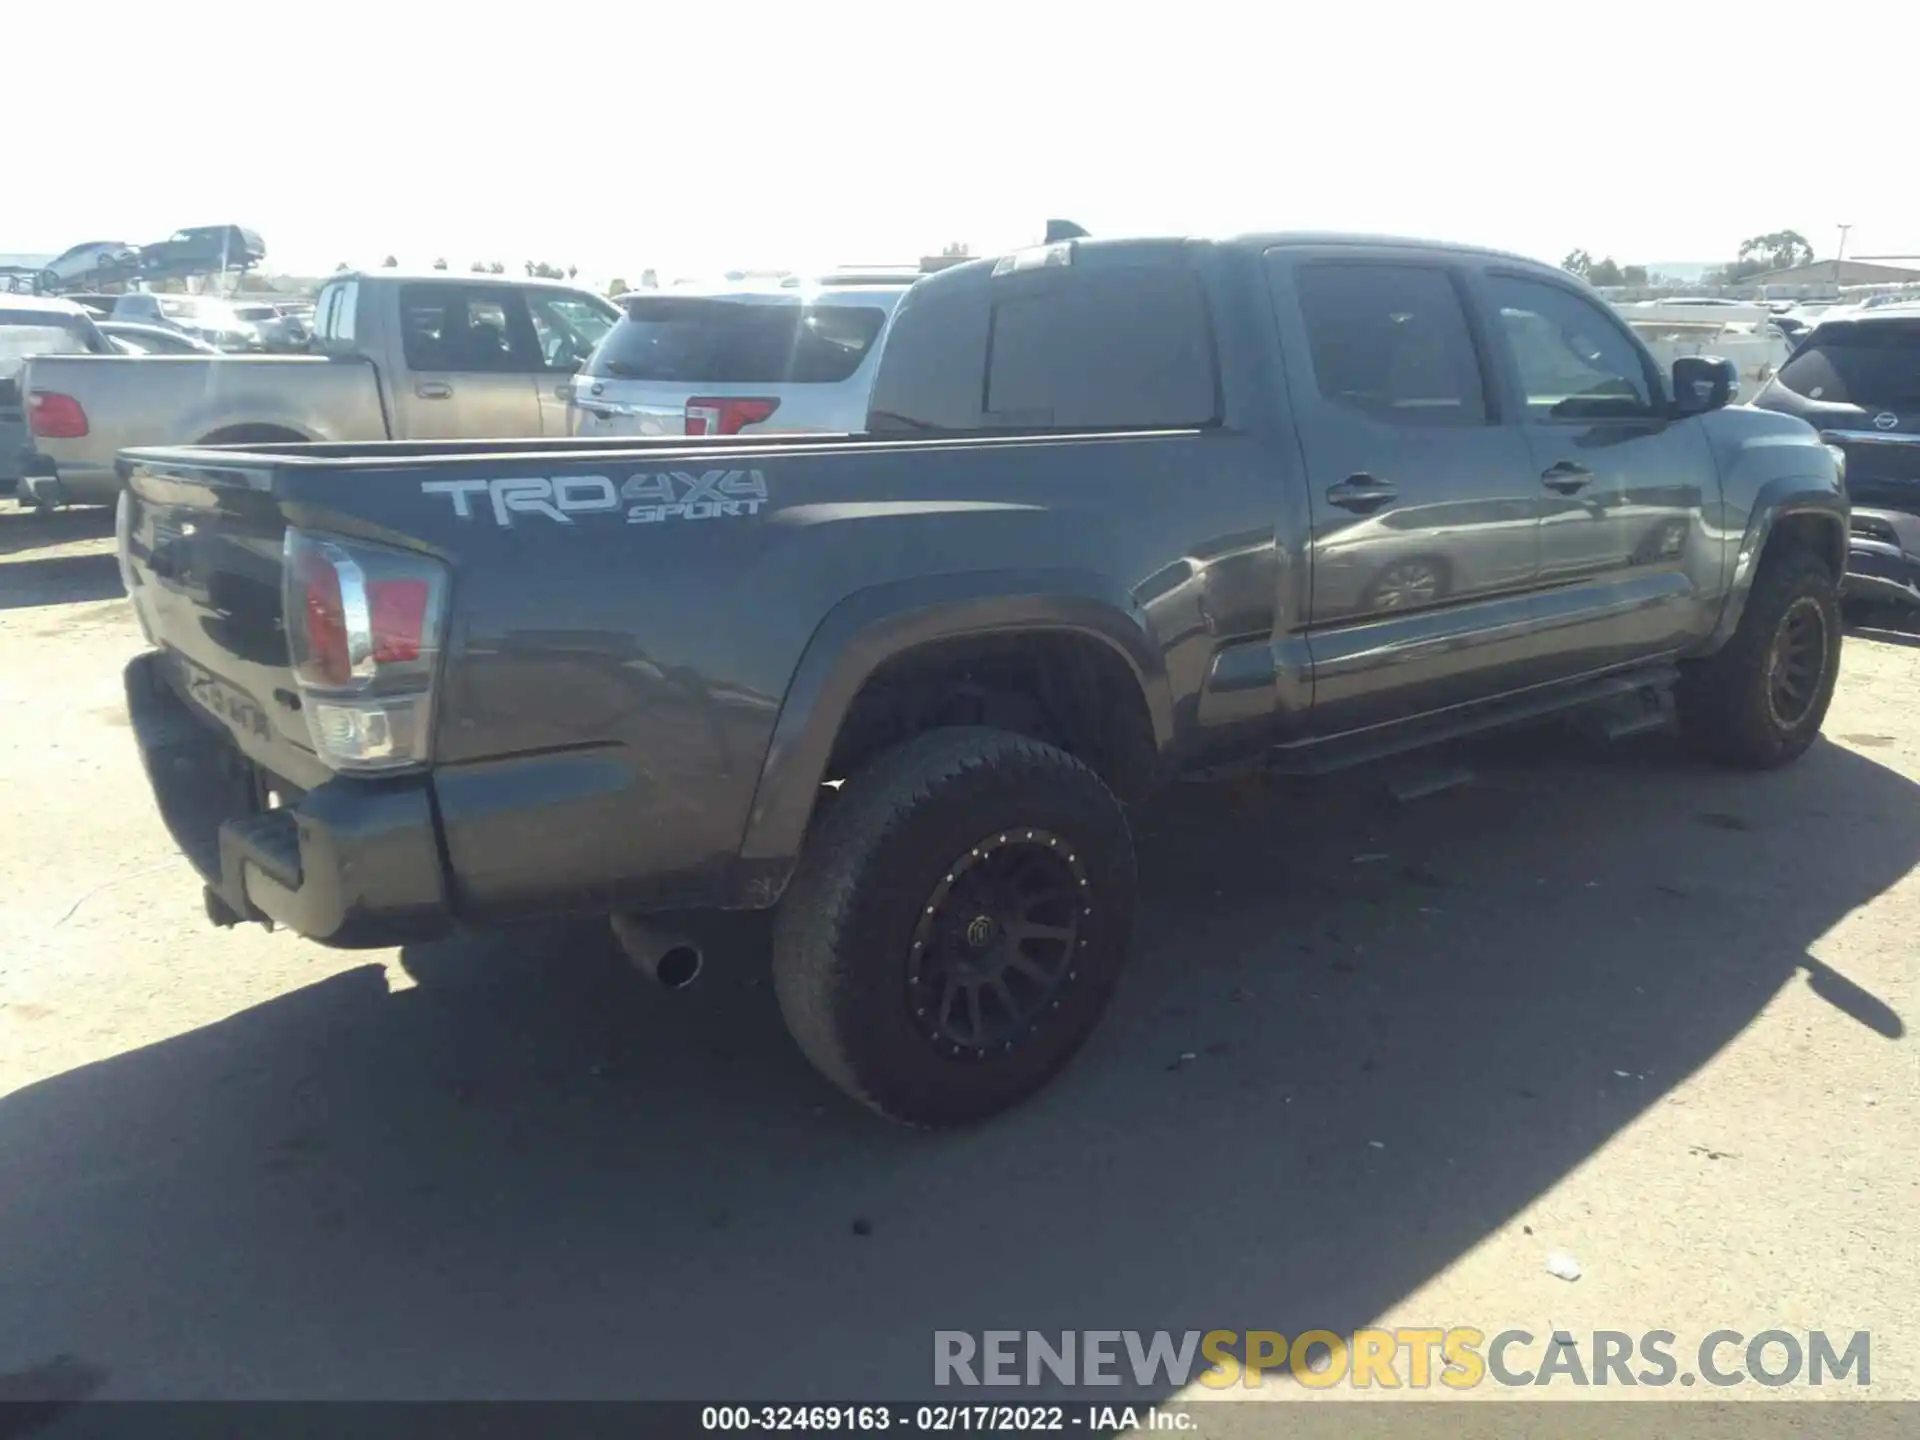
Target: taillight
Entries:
(53, 416)
(363, 629)
(727, 414)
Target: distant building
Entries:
(1867, 270)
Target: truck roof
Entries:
(1119, 250)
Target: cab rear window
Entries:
(1872, 364)
(1123, 347)
(703, 341)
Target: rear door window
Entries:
(1873, 365)
(1391, 342)
(701, 340)
(476, 330)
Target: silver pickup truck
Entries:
(398, 357)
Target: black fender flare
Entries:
(1778, 500)
(874, 625)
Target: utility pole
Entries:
(1841, 259)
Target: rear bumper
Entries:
(1883, 556)
(352, 863)
(47, 482)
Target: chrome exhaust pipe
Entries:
(666, 957)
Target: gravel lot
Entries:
(1373, 1062)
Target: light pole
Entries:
(1841, 259)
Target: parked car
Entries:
(1744, 334)
(778, 356)
(208, 317)
(900, 684)
(34, 325)
(1857, 380)
(434, 357)
(98, 306)
(282, 334)
(132, 339)
(203, 249)
(97, 262)
(1791, 327)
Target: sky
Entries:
(698, 138)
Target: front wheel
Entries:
(956, 925)
(1761, 700)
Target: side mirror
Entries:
(1704, 382)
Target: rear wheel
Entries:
(956, 925)
(1761, 700)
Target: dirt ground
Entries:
(1374, 1062)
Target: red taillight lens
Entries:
(727, 414)
(53, 416)
(322, 619)
(399, 612)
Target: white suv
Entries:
(786, 355)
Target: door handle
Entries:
(563, 391)
(433, 390)
(1361, 493)
(1566, 476)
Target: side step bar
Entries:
(1641, 697)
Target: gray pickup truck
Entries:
(404, 357)
(1127, 510)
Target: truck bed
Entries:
(614, 670)
(132, 400)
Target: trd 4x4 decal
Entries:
(648, 498)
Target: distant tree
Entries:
(1578, 262)
(616, 287)
(530, 269)
(496, 268)
(572, 270)
(479, 267)
(1781, 250)
(390, 263)
(1633, 275)
(955, 247)
(649, 280)
(1604, 272)
(441, 263)
(341, 266)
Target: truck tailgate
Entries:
(201, 552)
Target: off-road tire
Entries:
(1724, 703)
(847, 924)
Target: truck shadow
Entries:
(59, 580)
(21, 530)
(1358, 1037)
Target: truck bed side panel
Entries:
(135, 400)
(626, 624)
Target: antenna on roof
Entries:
(1058, 230)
